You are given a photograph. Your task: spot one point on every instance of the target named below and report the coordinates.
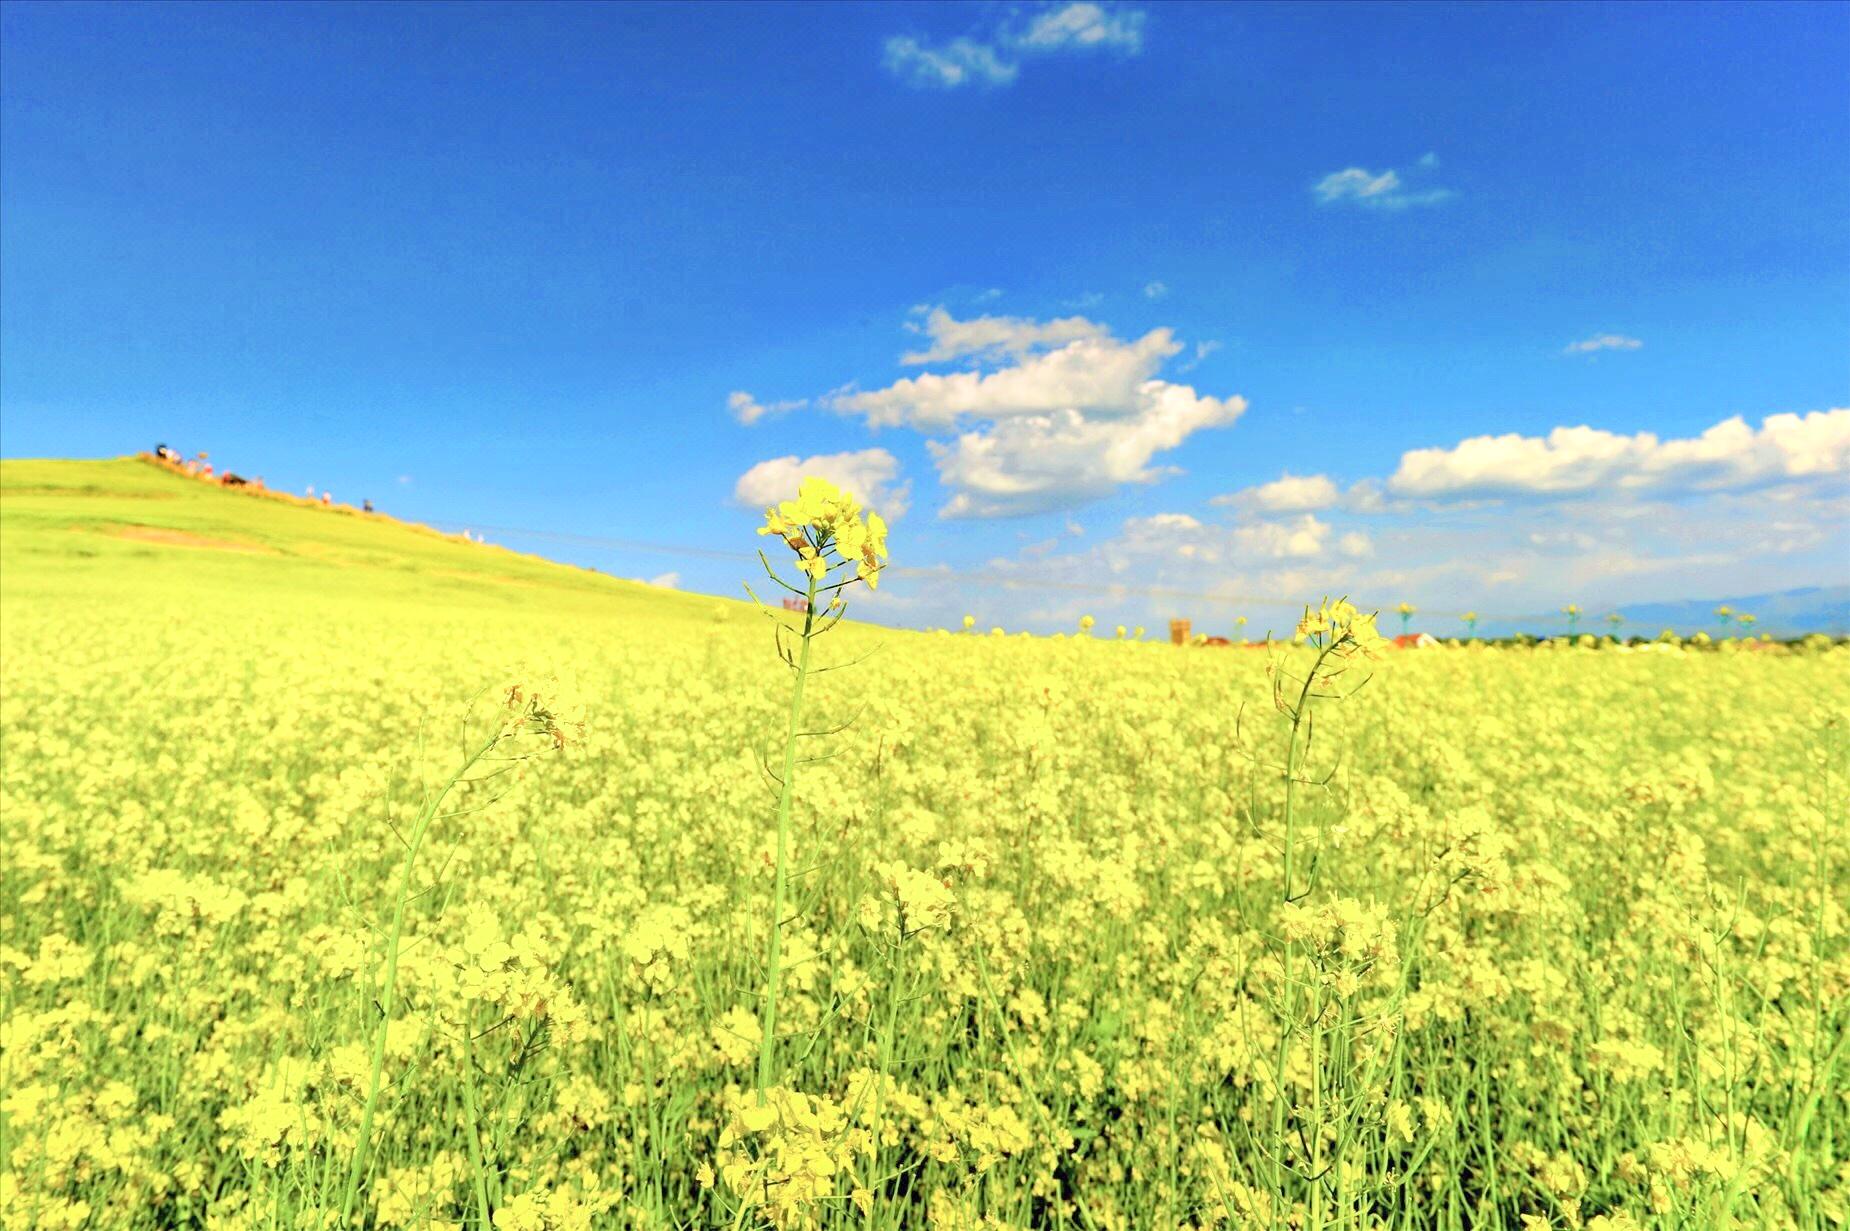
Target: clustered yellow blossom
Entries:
(910, 902)
(786, 1156)
(824, 518)
(1341, 627)
(1349, 941)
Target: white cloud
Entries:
(404, 480)
(1377, 190)
(745, 408)
(1046, 416)
(1356, 184)
(1584, 459)
(1364, 496)
(1299, 539)
(991, 58)
(667, 581)
(1093, 374)
(1736, 510)
(1064, 413)
(1603, 341)
(1083, 25)
(993, 337)
(1039, 462)
(1601, 552)
(1155, 290)
(748, 410)
(1287, 494)
(1185, 537)
(869, 474)
(1164, 522)
(959, 62)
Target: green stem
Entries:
(1316, 1107)
(475, 1128)
(1288, 1017)
(773, 971)
(363, 1148)
(1291, 760)
(886, 1062)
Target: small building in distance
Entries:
(1414, 641)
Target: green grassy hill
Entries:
(71, 529)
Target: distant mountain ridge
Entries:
(1786, 613)
(1781, 614)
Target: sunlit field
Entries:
(1077, 932)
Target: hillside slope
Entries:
(73, 529)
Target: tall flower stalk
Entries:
(830, 534)
(1326, 664)
(526, 725)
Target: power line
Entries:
(592, 540)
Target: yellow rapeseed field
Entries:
(1074, 932)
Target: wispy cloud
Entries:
(1298, 538)
(748, 409)
(1202, 351)
(1155, 290)
(992, 56)
(1384, 190)
(1600, 342)
(992, 337)
(1082, 25)
(959, 62)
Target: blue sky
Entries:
(531, 266)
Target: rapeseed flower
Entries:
(823, 519)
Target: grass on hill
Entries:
(74, 528)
